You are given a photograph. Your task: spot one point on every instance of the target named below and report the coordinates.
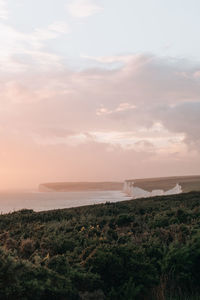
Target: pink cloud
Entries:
(100, 124)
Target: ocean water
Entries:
(40, 201)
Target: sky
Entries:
(98, 90)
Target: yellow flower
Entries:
(46, 257)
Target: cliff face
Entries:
(136, 192)
(142, 188)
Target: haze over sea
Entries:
(39, 201)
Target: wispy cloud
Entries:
(52, 31)
(20, 50)
(124, 106)
(3, 10)
(59, 27)
(83, 8)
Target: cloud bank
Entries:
(137, 120)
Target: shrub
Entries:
(27, 247)
(124, 220)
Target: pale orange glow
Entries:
(98, 125)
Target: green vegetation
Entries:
(138, 249)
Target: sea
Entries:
(42, 201)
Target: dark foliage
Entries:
(139, 249)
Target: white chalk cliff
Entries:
(135, 192)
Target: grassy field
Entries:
(146, 249)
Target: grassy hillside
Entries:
(139, 249)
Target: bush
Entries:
(124, 220)
(27, 247)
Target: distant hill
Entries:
(80, 186)
(187, 183)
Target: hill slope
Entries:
(141, 249)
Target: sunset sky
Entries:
(96, 90)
